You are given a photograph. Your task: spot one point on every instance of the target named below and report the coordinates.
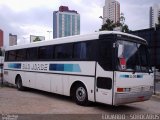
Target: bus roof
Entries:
(69, 39)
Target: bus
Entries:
(106, 67)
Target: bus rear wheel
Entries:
(80, 95)
(19, 83)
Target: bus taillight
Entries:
(123, 89)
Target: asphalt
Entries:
(156, 95)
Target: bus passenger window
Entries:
(20, 55)
(32, 54)
(80, 50)
(105, 54)
(63, 51)
(12, 55)
(44, 53)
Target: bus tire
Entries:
(80, 95)
(19, 84)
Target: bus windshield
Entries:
(132, 56)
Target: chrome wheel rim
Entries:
(80, 94)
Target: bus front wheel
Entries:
(80, 95)
(19, 83)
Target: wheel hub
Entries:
(81, 94)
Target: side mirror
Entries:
(120, 50)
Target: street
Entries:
(39, 102)
(157, 87)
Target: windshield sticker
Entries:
(122, 63)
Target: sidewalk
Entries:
(157, 95)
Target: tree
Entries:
(125, 28)
(36, 39)
(110, 25)
(157, 24)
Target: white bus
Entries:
(105, 67)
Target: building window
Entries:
(60, 25)
(78, 25)
(73, 25)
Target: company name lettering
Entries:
(39, 67)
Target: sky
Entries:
(35, 17)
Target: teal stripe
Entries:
(65, 67)
(14, 65)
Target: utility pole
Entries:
(49, 31)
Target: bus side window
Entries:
(6, 55)
(32, 54)
(85, 50)
(45, 52)
(105, 54)
(80, 50)
(63, 51)
(12, 55)
(21, 55)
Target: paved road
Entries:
(158, 87)
(38, 102)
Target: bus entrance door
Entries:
(103, 85)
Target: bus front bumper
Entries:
(123, 98)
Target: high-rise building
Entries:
(65, 22)
(154, 14)
(12, 39)
(111, 11)
(1, 38)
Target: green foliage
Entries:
(158, 24)
(110, 25)
(36, 39)
(125, 28)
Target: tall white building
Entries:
(65, 22)
(111, 11)
(12, 39)
(154, 14)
